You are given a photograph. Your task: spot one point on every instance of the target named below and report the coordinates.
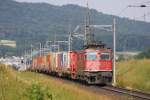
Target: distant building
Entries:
(126, 55)
(8, 43)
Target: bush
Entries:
(36, 92)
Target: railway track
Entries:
(137, 94)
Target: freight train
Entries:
(92, 65)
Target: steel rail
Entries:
(138, 94)
(134, 93)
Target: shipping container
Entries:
(65, 60)
(53, 61)
(48, 62)
(38, 63)
(59, 60)
(73, 61)
(44, 65)
(80, 61)
(34, 63)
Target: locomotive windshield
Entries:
(91, 56)
(105, 56)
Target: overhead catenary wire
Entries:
(145, 2)
(143, 16)
(140, 5)
(123, 10)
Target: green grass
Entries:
(14, 85)
(10, 86)
(134, 74)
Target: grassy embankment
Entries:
(13, 86)
(134, 74)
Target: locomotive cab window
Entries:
(105, 56)
(91, 56)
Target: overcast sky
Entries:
(109, 6)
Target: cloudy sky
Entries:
(115, 7)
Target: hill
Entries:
(36, 22)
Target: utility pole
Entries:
(25, 56)
(69, 42)
(55, 44)
(69, 48)
(114, 51)
(48, 47)
(44, 49)
(31, 51)
(40, 49)
(144, 17)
